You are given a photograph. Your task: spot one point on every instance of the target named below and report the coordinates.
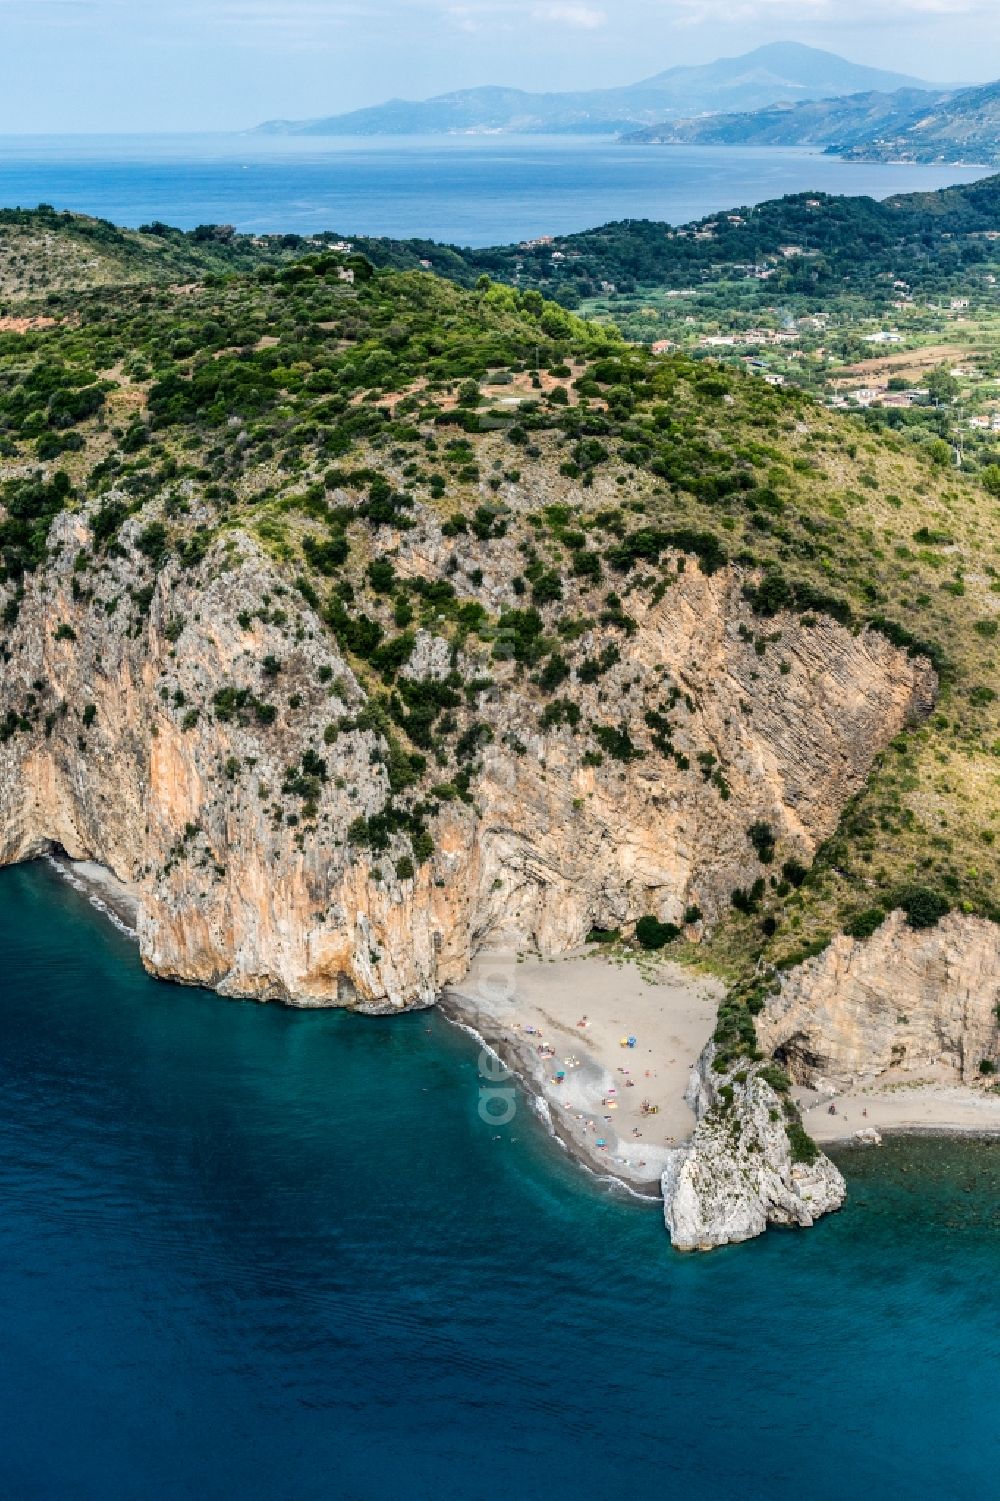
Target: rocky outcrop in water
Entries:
(747, 1166)
(902, 1000)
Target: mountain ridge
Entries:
(907, 125)
(849, 118)
(965, 128)
(779, 71)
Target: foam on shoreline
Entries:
(106, 893)
(589, 1088)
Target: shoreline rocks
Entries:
(740, 1172)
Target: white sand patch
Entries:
(910, 1102)
(117, 899)
(531, 1012)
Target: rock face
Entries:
(157, 722)
(901, 1000)
(738, 1173)
(183, 797)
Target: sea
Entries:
(258, 1253)
(275, 1255)
(464, 190)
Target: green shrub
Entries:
(382, 576)
(154, 543)
(863, 924)
(924, 908)
(748, 901)
(761, 836)
(561, 711)
(774, 1074)
(617, 743)
(653, 934)
(423, 847)
(804, 1149)
(555, 671)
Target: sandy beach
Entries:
(118, 899)
(561, 1025)
(591, 1084)
(918, 1103)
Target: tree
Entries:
(991, 479)
(942, 385)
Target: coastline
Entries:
(920, 1106)
(452, 1008)
(587, 1087)
(525, 1010)
(115, 899)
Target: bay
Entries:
(257, 1252)
(468, 190)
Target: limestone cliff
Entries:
(903, 1000)
(197, 730)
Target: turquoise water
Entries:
(254, 1253)
(464, 190)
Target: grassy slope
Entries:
(43, 252)
(313, 370)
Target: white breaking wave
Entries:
(542, 1109)
(72, 879)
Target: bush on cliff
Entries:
(804, 1149)
(863, 924)
(924, 908)
(653, 934)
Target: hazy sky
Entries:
(124, 65)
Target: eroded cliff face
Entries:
(183, 797)
(158, 723)
(902, 1000)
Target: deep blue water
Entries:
(463, 190)
(254, 1253)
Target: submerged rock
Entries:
(742, 1170)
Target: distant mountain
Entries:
(784, 72)
(839, 123)
(964, 127)
(917, 125)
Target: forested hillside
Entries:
(326, 416)
(849, 243)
